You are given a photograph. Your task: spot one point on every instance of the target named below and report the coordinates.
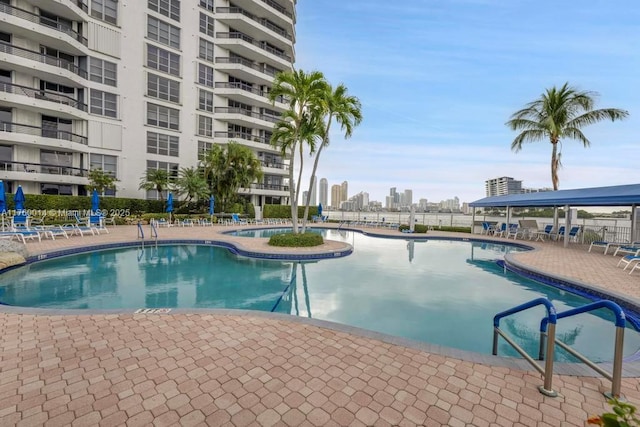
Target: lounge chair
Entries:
(610, 245)
(628, 260)
(631, 250)
(97, 222)
(20, 221)
(502, 230)
(236, 220)
(515, 231)
(573, 233)
(634, 267)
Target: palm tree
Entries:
(228, 168)
(559, 113)
(346, 110)
(101, 180)
(304, 92)
(192, 184)
(155, 179)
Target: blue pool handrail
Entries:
(140, 231)
(547, 371)
(621, 321)
(551, 310)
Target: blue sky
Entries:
(439, 79)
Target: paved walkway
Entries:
(227, 368)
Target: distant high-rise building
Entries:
(408, 197)
(396, 196)
(303, 202)
(422, 204)
(389, 203)
(502, 186)
(324, 192)
(344, 194)
(336, 196)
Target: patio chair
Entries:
(502, 230)
(631, 250)
(628, 260)
(20, 221)
(515, 231)
(634, 267)
(236, 220)
(97, 221)
(540, 234)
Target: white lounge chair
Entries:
(628, 260)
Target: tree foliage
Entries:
(191, 183)
(101, 180)
(559, 114)
(155, 179)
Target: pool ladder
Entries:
(154, 232)
(548, 336)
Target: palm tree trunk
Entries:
(292, 200)
(313, 174)
(554, 165)
(298, 185)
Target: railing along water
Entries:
(616, 376)
(547, 371)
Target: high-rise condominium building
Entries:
(336, 196)
(324, 192)
(344, 194)
(408, 197)
(132, 85)
(502, 186)
(314, 192)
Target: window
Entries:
(104, 72)
(55, 127)
(205, 126)
(168, 8)
(206, 24)
(163, 60)
(104, 103)
(207, 4)
(163, 88)
(206, 50)
(109, 164)
(165, 145)
(164, 33)
(205, 75)
(205, 100)
(55, 189)
(6, 157)
(203, 147)
(171, 168)
(163, 117)
(106, 10)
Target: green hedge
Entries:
(418, 228)
(284, 211)
(296, 240)
(64, 203)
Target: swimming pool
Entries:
(435, 291)
(268, 232)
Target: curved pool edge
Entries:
(345, 249)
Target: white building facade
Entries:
(132, 85)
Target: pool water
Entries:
(440, 292)
(268, 232)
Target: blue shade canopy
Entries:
(19, 199)
(170, 203)
(3, 198)
(95, 201)
(212, 202)
(619, 195)
(319, 209)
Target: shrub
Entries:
(296, 240)
(623, 415)
(284, 211)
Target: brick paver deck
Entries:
(224, 368)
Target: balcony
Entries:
(242, 90)
(45, 23)
(250, 24)
(43, 132)
(41, 95)
(257, 142)
(68, 8)
(243, 117)
(274, 165)
(41, 58)
(248, 47)
(278, 13)
(43, 168)
(247, 70)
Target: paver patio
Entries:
(239, 368)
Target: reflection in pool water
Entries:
(441, 292)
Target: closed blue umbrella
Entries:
(320, 209)
(95, 202)
(170, 205)
(212, 202)
(3, 199)
(19, 200)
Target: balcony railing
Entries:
(270, 187)
(45, 95)
(270, 71)
(43, 132)
(261, 21)
(37, 56)
(44, 21)
(279, 8)
(275, 165)
(42, 168)
(241, 135)
(233, 110)
(82, 5)
(247, 88)
(261, 45)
